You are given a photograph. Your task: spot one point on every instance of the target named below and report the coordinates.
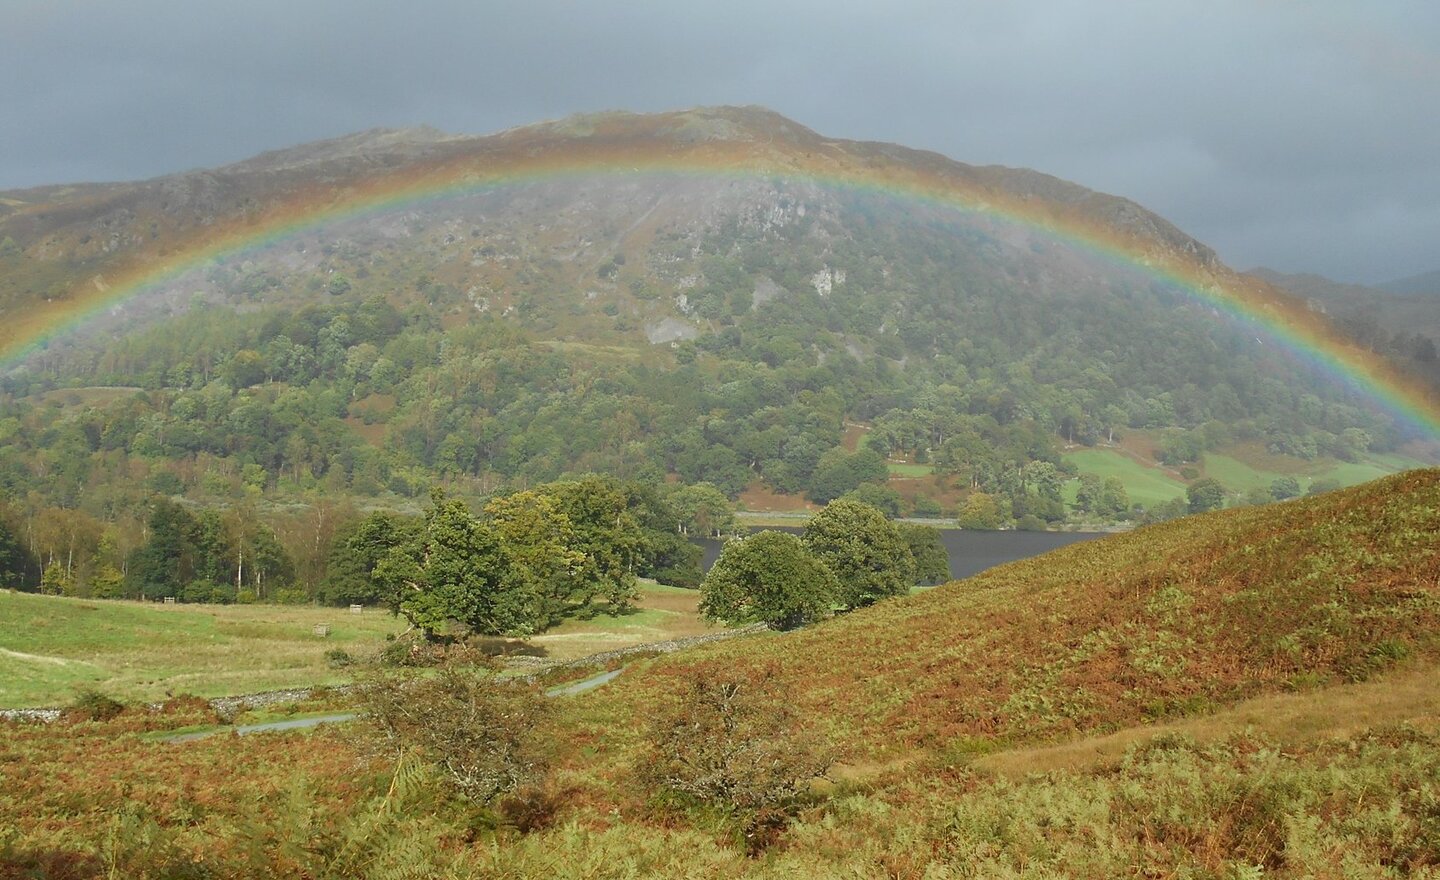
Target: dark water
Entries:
(971, 552)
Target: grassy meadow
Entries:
(1145, 484)
(1240, 469)
(50, 647)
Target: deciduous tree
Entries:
(862, 549)
(768, 577)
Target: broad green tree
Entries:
(703, 510)
(863, 550)
(1285, 488)
(452, 573)
(1206, 494)
(544, 562)
(769, 577)
(980, 511)
(356, 551)
(606, 533)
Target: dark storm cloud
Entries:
(1301, 135)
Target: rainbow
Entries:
(932, 182)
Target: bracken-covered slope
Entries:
(1168, 620)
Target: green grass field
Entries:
(52, 647)
(664, 613)
(1150, 485)
(1146, 485)
(1238, 475)
(140, 651)
(908, 470)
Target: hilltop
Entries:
(1401, 321)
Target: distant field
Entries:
(1147, 485)
(1238, 475)
(1151, 485)
(906, 469)
(51, 646)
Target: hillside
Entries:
(1290, 651)
(1169, 620)
(717, 295)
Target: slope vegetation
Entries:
(1168, 620)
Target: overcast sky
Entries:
(1299, 134)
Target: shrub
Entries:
(532, 808)
(733, 741)
(484, 735)
(92, 705)
(339, 658)
(411, 650)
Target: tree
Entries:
(1285, 488)
(932, 561)
(703, 510)
(768, 577)
(54, 581)
(354, 554)
(107, 583)
(453, 572)
(980, 511)
(862, 549)
(540, 548)
(839, 472)
(168, 561)
(1088, 497)
(15, 561)
(606, 532)
(882, 498)
(1206, 494)
(1114, 500)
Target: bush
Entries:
(733, 741)
(410, 650)
(484, 735)
(338, 658)
(92, 705)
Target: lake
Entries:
(971, 552)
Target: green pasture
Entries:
(51, 646)
(1146, 485)
(908, 470)
(1239, 476)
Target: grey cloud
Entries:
(1295, 134)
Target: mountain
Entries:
(1403, 325)
(717, 295)
(1424, 283)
